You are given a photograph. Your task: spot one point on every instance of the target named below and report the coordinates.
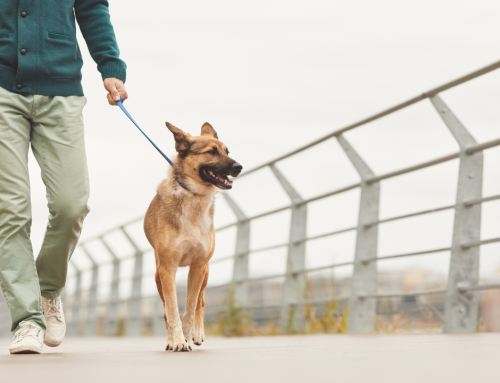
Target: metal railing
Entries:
(461, 302)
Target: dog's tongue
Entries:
(224, 180)
(221, 179)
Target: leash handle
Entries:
(120, 104)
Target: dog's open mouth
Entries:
(219, 180)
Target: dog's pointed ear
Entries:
(182, 140)
(207, 130)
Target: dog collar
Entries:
(181, 184)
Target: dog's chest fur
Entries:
(194, 240)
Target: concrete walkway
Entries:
(302, 358)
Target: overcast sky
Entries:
(272, 75)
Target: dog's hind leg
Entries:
(195, 280)
(170, 341)
(198, 329)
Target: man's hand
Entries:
(116, 88)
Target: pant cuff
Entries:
(40, 322)
(52, 294)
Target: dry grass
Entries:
(237, 321)
(332, 321)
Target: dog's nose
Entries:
(237, 167)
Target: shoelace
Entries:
(53, 308)
(27, 329)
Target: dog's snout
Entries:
(237, 168)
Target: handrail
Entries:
(411, 101)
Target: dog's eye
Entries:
(213, 151)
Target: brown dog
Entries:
(179, 226)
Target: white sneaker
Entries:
(56, 325)
(28, 339)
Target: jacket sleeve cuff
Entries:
(116, 69)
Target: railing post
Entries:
(362, 310)
(112, 309)
(240, 267)
(461, 308)
(74, 325)
(90, 324)
(294, 288)
(134, 315)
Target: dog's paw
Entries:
(178, 341)
(181, 346)
(198, 336)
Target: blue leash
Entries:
(120, 104)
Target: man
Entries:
(41, 102)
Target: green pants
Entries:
(54, 127)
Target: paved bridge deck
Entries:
(301, 358)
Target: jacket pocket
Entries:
(8, 51)
(59, 57)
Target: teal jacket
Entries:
(39, 53)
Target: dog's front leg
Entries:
(175, 335)
(195, 281)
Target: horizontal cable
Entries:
(272, 247)
(435, 210)
(482, 146)
(278, 210)
(278, 306)
(324, 267)
(479, 243)
(329, 194)
(410, 169)
(401, 294)
(368, 260)
(266, 248)
(490, 286)
(330, 233)
(320, 301)
(481, 200)
(217, 309)
(274, 276)
(265, 277)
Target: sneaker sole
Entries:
(26, 350)
(52, 344)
